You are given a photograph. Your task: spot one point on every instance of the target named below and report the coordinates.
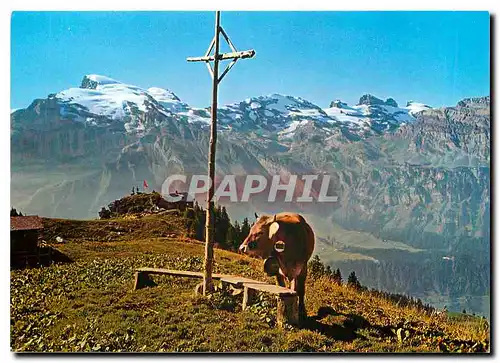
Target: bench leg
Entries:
(141, 280)
(288, 311)
(248, 297)
(198, 290)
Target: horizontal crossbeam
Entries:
(233, 55)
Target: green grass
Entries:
(90, 305)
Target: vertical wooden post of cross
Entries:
(214, 72)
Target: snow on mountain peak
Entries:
(273, 112)
(415, 107)
(172, 103)
(275, 102)
(374, 113)
(100, 98)
(92, 81)
(161, 94)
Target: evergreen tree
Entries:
(189, 217)
(224, 215)
(238, 238)
(200, 224)
(223, 227)
(337, 277)
(216, 215)
(352, 281)
(328, 271)
(104, 213)
(231, 242)
(245, 228)
(315, 267)
(13, 212)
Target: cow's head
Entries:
(260, 241)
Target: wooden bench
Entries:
(288, 312)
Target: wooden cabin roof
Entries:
(24, 223)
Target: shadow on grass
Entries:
(47, 256)
(58, 257)
(343, 332)
(347, 330)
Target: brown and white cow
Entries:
(287, 239)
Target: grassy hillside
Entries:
(89, 304)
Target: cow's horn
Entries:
(273, 228)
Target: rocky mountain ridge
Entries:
(101, 101)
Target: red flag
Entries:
(145, 184)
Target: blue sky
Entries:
(432, 57)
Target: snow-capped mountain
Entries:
(172, 103)
(273, 112)
(102, 101)
(104, 96)
(373, 113)
(284, 114)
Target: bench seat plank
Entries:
(180, 273)
(234, 280)
(272, 289)
(238, 281)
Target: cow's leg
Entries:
(280, 280)
(300, 287)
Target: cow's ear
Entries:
(273, 229)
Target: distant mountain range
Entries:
(416, 175)
(100, 101)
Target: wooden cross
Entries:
(214, 72)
